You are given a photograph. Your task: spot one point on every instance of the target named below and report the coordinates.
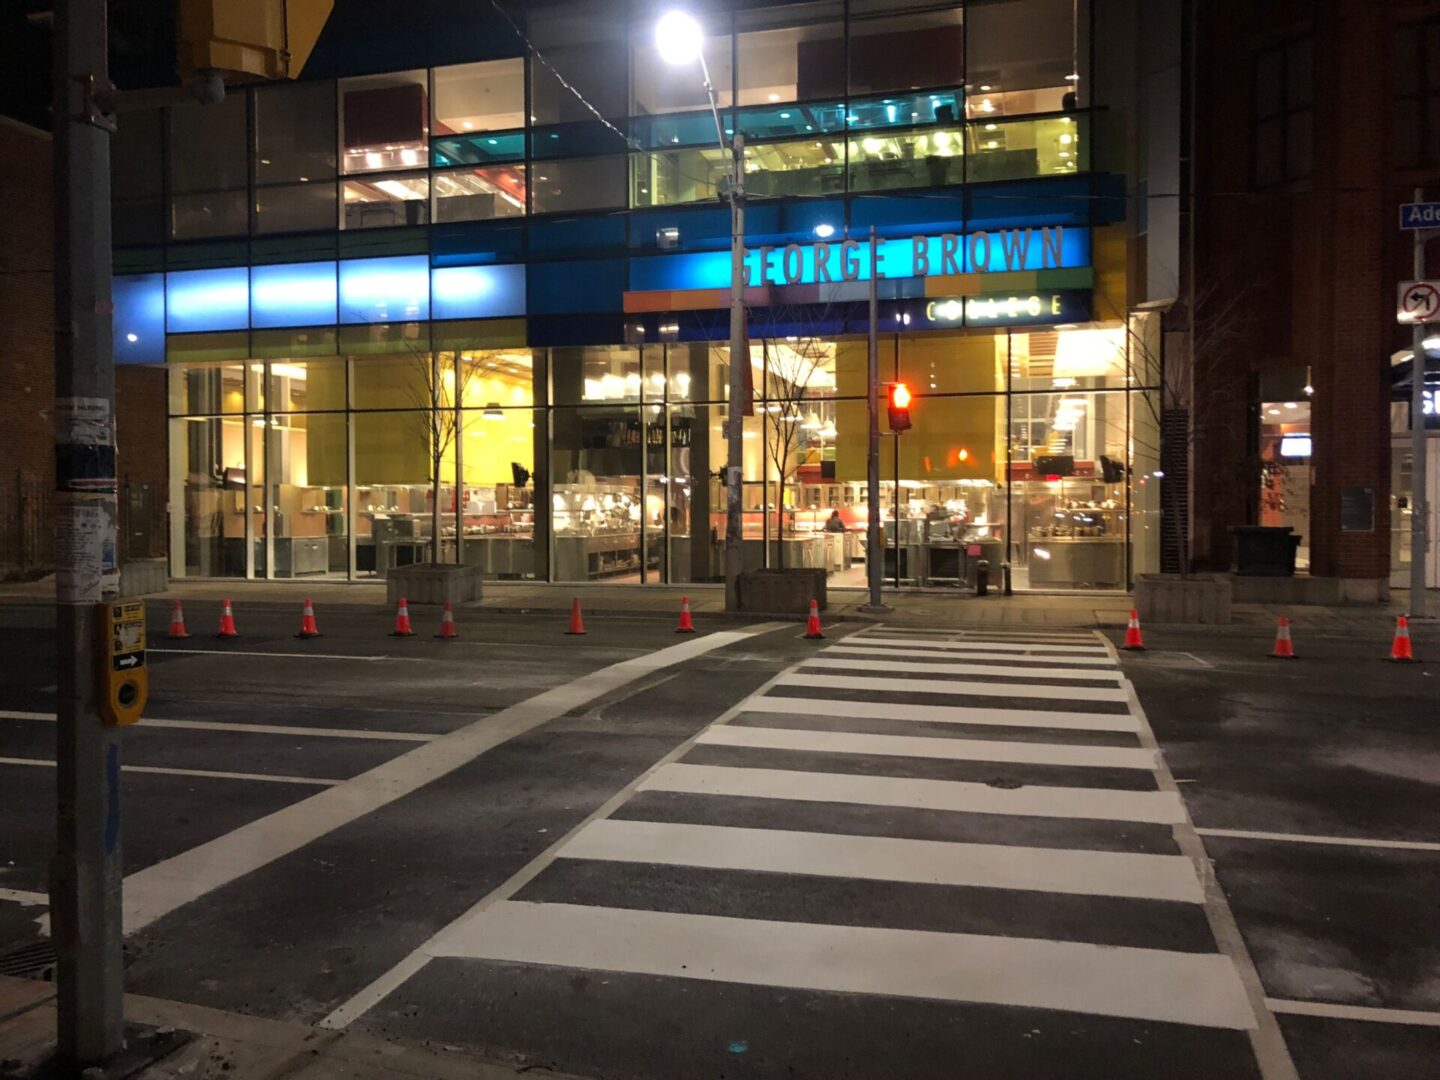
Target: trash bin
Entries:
(1265, 550)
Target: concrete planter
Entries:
(782, 591)
(1170, 598)
(141, 577)
(427, 583)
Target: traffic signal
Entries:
(899, 406)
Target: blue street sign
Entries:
(1420, 215)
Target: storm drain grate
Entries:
(36, 961)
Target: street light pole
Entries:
(85, 881)
(735, 443)
(875, 550)
(1419, 512)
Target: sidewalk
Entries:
(232, 1046)
(949, 608)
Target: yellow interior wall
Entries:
(1108, 253)
(952, 439)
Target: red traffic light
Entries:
(899, 406)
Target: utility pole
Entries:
(85, 897)
(1419, 512)
(739, 362)
(875, 550)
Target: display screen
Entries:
(1295, 446)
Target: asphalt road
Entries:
(743, 854)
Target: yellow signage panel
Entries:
(254, 39)
(124, 678)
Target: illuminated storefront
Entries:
(401, 271)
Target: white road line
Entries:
(990, 658)
(921, 668)
(981, 635)
(1150, 984)
(162, 887)
(225, 651)
(210, 774)
(884, 858)
(252, 729)
(1308, 838)
(944, 714)
(988, 646)
(919, 746)
(1413, 1017)
(1099, 804)
(956, 687)
(25, 899)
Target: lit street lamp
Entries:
(679, 40)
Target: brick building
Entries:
(1316, 120)
(27, 380)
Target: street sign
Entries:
(1420, 215)
(1418, 302)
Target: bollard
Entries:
(982, 577)
(1005, 578)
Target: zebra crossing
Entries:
(989, 801)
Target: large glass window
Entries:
(500, 441)
(598, 509)
(668, 177)
(307, 462)
(592, 374)
(918, 159)
(374, 202)
(480, 97)
(1019, 149)
(791, 53)
(582, 184)
(806, 167)
(136, 179)
(207, 156)
(585, 43)
(893, 46)
(479, 194)
(295, 207)
(384, 122)
(294, 132)
(1023, 57)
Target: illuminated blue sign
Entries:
(980, 252)
(207, 300)
(140, 319)
(296, 294)
(385, 290)
(477, 292)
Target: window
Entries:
(294, 132)
(479, 194)
(931, 158)
(668, 177)
(136, 179)
(1284, 118)
(207, 169)
(780, 61)
(586, 43)
(1023, 57)
(472, 100)
(1416, 54)
(890, 50)
(586, 184)
(384, 122)
(380, 202)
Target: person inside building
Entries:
(834, 523)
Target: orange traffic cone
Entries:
(307, 622)
(1400, 648)
(577, 624)
(687, 624)
(812, 624)
(447, 623)
(1133, 641)
(227, 622)
(1284, 648)
(177, 621)
(402, 620)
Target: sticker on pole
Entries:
(1419, 302)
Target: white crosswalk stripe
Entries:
(894, 794)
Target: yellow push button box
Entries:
(125, 682)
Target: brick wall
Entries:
(27, 367)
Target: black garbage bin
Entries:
(1265, 550)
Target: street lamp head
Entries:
(678, 37)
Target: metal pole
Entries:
(1419, 512)
(875, 560)
(735, 442)
(85, 878)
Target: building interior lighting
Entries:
(824, 230)
(493, 411)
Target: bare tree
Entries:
(791, 396)
(437, 391)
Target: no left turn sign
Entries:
(1419, 302)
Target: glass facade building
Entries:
(512, 273)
